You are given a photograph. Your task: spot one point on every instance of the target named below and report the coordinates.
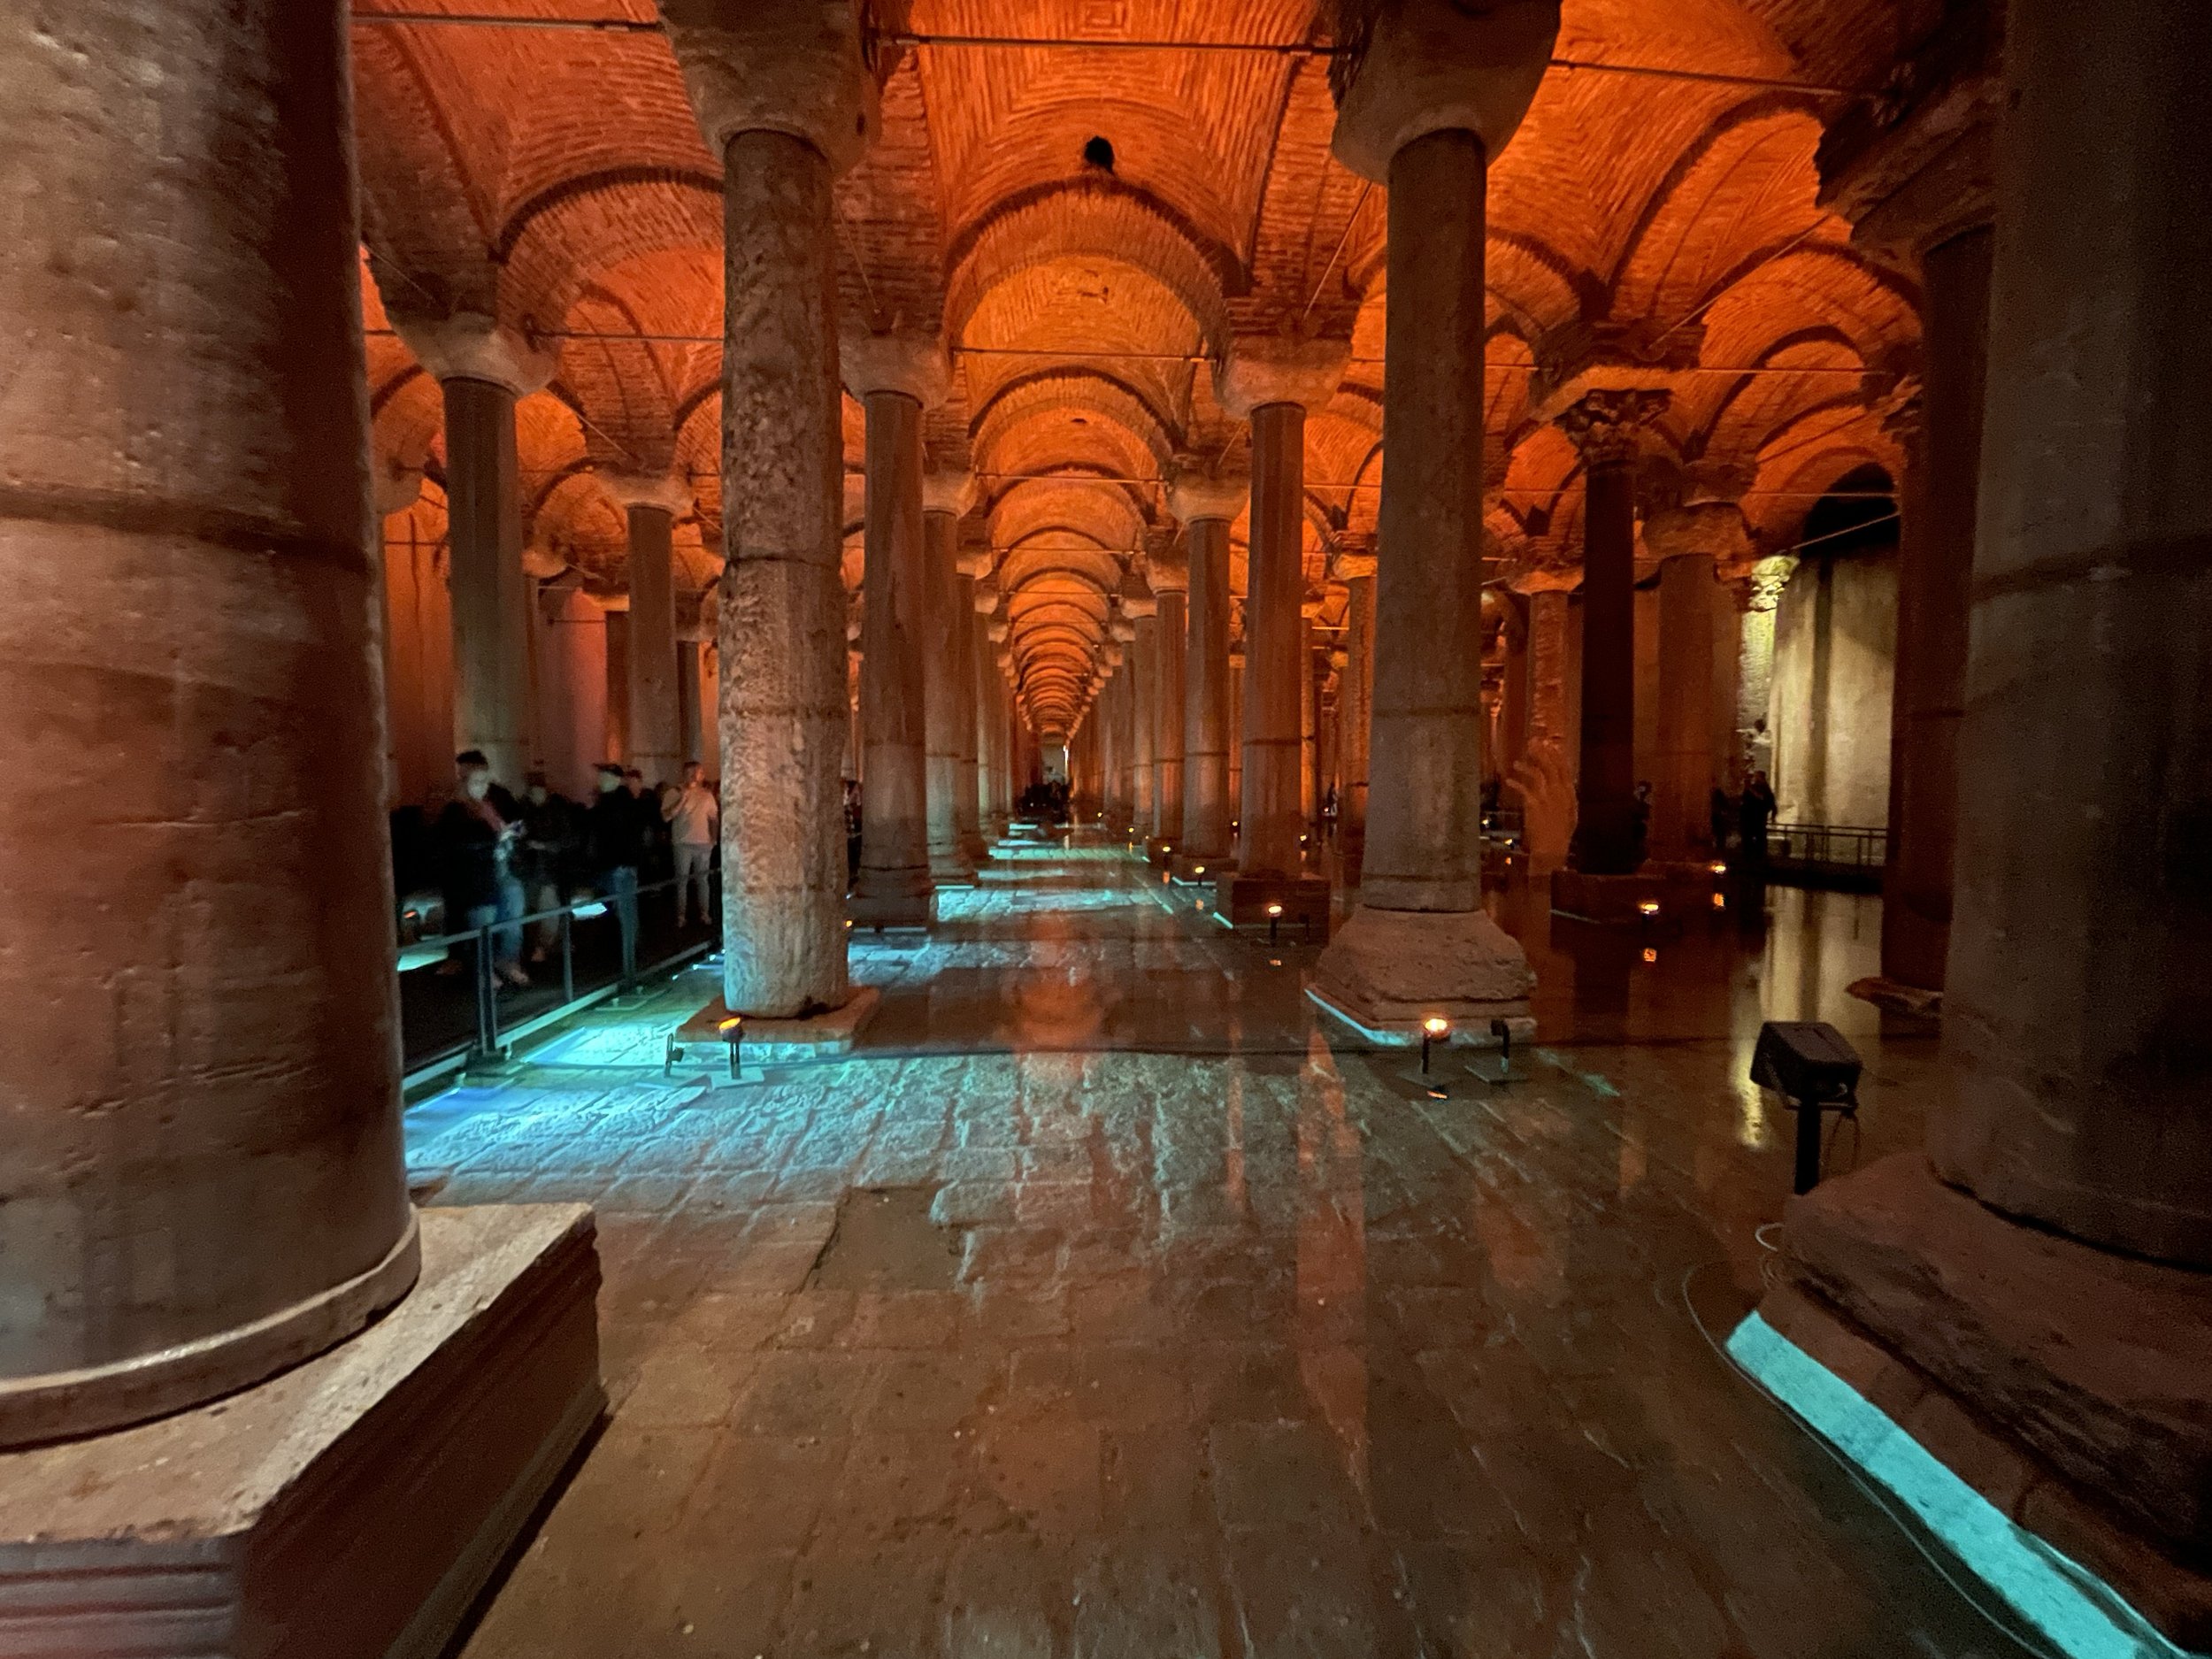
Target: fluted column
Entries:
(1427, 107)
(1604, 425)
(652, 502)
(1206, 503)
(896, 377)
(482, 368)
(1274, 382)
(787, 103)
(201, 1175)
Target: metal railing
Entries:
(1844, 853)
(438, 1036)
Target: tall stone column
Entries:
(689, 725)
(896, 377)
(948, 679)
(2048, 1264)
(1237, 665)
(1604, 425)
(1170, 577)
(1431, 102)
(966, 669)
(653, 503)
(787, 103)
(1206, 504)
(482, 368)
(1274, 382)
(1691, 541)
(1934, 598)
(1355, 568)
(1142, 610)
(1309, 724)
(1757, 598)
(1513, 704)
(201, 1179)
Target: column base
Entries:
(1386, 971)
(1200, 868)
(1678, 892)
(976, 850)
(900, 898)
(950, 870)
(351, 1506)
(2070, 1387)
(1242, 900)
(823, 1036)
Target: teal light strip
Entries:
(2077, 1611)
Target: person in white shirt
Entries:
(693, 817)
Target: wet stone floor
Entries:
(1107, 1304)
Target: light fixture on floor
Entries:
(1651, 953)
(1435, 1028)
(1719, 869)
(1809, 1063)
(1720, 900)
(1274, 920)
(1648, 909)
(732, 1030)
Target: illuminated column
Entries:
(1308, 722)
(1427, 105)
(2065, 1313)
(482, 368)
(1206, 504)
(967, 669)
(1604, 425)
(652, 503)
(946, 675)
(201, 1177)
(1275, 381)
(1170, 577)
(895, 376)
(1690, 542)
(1138, 604)
(787, 106)
(1354, 704)
(1513, 710)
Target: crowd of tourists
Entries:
(496, 858)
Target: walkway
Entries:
(1106, 1307)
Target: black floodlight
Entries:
(1809, 1063)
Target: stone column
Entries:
(482, 368)
(785, 103)
(687, 723)
(1513, 705)
(1138, 604)
(1237, 665)
(653, 503)
(966, 667)
(1170, 578)
(1309, 724)
(1758, 597)
(1206, 503)
(945, 674)
(201, 1177)
(1603, 425)
(1354, 705)
(896, 377)
(2066, 1310)
(1934, 598)
(1433, 100)
(1691, 541)
(1274, 382)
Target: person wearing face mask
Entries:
(613, 845)
(476, 843)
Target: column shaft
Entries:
(1934, 598)
(1168, 718)
(1354, 706)
(1423, 848)
(1205, 832)
(2077, 998)
(1682, 785)
(1144, 693)
(491, 670)
(688, 704)
(200, 1177)
(1513, 705)
(966, 807)
(1605, 828)
(1273, 630)
(1308, 728)
(655, 717)
(895, 883)
(941, 666)
(781, 631)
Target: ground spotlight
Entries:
(1651, 953)
(1435, 1028)
(1648, 908)
(732, 1030)
(1274, 920)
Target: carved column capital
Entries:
(1605, 425)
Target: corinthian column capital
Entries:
(780, 68)
(1412, 67)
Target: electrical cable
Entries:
(2028, 1638)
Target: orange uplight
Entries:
(1719, 869)
(1274, 910)
(1198, 870)
(1720, 900)
(1436, 1025)
(1649, 907)
(1650, 954)
(730, 1024)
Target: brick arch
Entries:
(560, 242)
(426, 217)
(1059, 389)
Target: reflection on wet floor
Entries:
(1109, 1304)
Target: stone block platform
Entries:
(780, 1042)
(1680, 892)
(351, 1506)
(1189, 870)
(2070, 1387)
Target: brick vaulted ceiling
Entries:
(555, 178)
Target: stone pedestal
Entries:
(823, 1036)
(1386, 971)
(1243, 901)
(351, 1508)
(1678, 890)
(2067, 1384)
